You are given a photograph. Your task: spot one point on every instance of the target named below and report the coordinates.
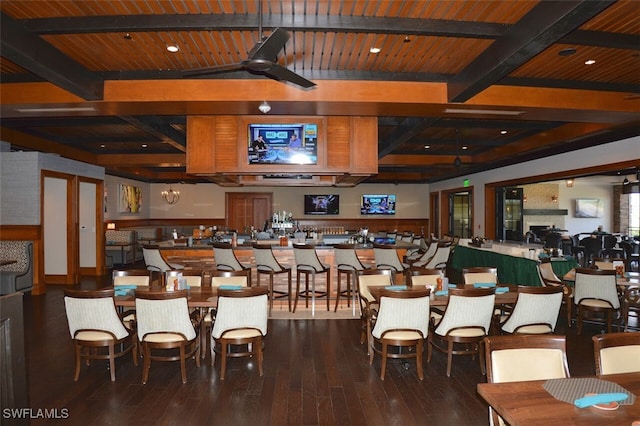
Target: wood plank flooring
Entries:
(315, 373)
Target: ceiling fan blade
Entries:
(213, 70)
(271, 46)
(279, 72)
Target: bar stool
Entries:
(266, 263)
(226, 259)
(386, 257)
(348, 263)
(308, 264)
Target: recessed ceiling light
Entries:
(567, 52)
(427, 146)
(144, 145)
(374, 50)
(503, 132)
(173, 48)
(407, 39)
(127, 36)
(590, 62)
(482, 111)
(465, 147)
(103, 146)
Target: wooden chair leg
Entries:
(146, 363)
(183, 367)
(449, 357)
(419, 351)
(112, 362)
(78, 361)
(223, 359)
(259, 353)
(383, 368)
(338, 289)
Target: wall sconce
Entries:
(264, 107)
(569, 183)
(171, 196)
(111, 226)
(524, 199)
(554, 198)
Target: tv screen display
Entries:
(378, 204)
(283, 143)
(589, 207)
(322, 204)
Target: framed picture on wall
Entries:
(130, 199)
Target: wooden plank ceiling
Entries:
(491, 82)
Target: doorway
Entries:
(460, 214)
(509, 213)
(245, 210)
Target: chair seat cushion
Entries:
(534, 329)
(163, 338)
(467, 332)
(241, 333)
(595, 303)
(93, 335)
(402, 335)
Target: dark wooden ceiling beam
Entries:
(544, 25)
(409, 128)
(160, 128)
(29, 51)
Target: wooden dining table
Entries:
(528, 403)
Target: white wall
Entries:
(619, 151)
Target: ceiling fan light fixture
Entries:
(264, 107)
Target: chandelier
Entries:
(171, 196)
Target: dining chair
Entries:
(423, 258)
(156, 263)
(94, 324)
(402, 322)
(630, 305)
(524, 357)
(308, 264)
(553, 240)
(164, 324)
(439, 259)
(610, 247)
(226, 259)
(191, 277)
(368, 304)
(535, 312)
(417, 276)
(466, 321)
(241, 322)
(592, 249)
(347, 263)
(631, 255)
(595, 292)
(386, 257)
(548, 278)
(616, 353)
(267, 264)
(480, 275)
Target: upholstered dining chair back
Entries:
(131, 277)
(168, 314)
(596, 284)
(426, 256)
(617, 353)
(94, 313)
(605, 264)
(547, 274)
(470, 308)
(232, 278)
(523, 357)
(423, 277)
(372, 278)
(536, 310)
(400, 313)
(191, 277)
(485, 275)
(237, 309)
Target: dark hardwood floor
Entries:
(315, 373)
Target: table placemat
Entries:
(570, 389)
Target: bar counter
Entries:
(512, 260)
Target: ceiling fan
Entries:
(262, 60)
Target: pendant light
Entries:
(457, 162)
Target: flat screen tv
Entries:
(378, 204)
(285, 143)
(589, 207)
(322, 204)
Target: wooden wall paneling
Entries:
(201, 144)
(339, 154)
(228, 140)
(364, 145)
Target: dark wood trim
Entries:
(545, 212)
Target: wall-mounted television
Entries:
(378, 204)
(322, 204)
(285, 143)
(589, 207)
